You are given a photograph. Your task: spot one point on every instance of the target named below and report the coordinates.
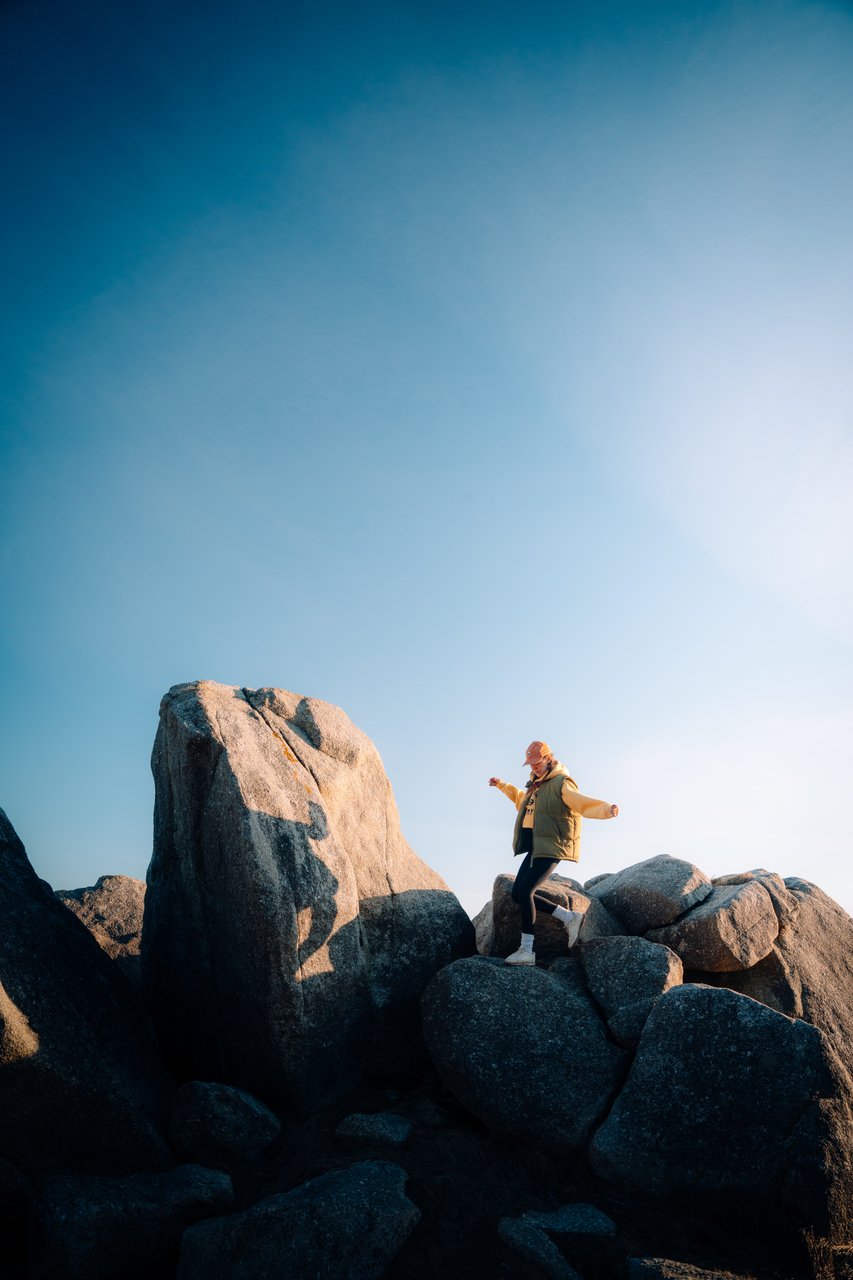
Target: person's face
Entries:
(538, 763)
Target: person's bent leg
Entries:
(571, 919)
(530, 875)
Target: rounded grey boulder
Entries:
(717, 1085)
(653, 893)
(522, 1049)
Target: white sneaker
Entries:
(521, 956)
(573, 928)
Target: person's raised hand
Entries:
(493, 782)
(614, 811)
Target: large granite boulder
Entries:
(523, 1049)
(112, 911)
(721, 1098)
(103, 1228)
(734, 927)
(351, 1222)
(289, 927)
(82, 1085)
(498, 925)
(652, 893)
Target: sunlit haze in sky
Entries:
(484, 369)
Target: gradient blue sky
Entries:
(483, 369)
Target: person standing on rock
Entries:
(547, 831)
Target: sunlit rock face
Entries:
(289, 928)
(81, 1082)
(112, 911)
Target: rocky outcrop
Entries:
(734, 927)
(718, 1095)
(289, 927)
(348, 1223)
(522, 1050)
(102, 1228)
(112, 911)
(653, 893)
(213, 1122)
(81, 1082)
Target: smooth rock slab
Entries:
(621, 971)
(348, 1223)
(212, 1122)
(103, 1228)
(733, 928)
(716, 1087)
(289, 928)
(653, 893)
(522, 1050)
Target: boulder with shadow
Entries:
(82, 1083)
(289, 927)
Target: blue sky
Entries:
(487, 374)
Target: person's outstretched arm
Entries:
(515, 794)
(586, 806)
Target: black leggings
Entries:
(530, 876)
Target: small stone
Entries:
(383, 1127)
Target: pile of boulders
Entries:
(177, 1099)
(641, 1053)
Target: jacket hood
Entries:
(559, 769)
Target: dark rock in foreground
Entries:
(216, 1122)
(82, 1085)
(348, 1223)
(289, 927)
(102, 1228)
